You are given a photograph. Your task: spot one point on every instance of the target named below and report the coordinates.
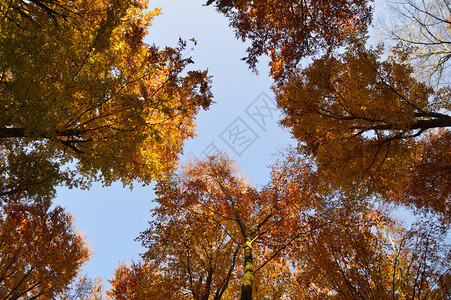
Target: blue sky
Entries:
(242, 123)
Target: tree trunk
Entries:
(206, 293)
(248, 278)
(22, 133)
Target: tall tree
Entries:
(40, 251)
(299, 242)
(368, 256)
(144, 281)
(371, 126)
(81, 92)
(365, 121)
(425, 25)
(210, 219)
(289, 31)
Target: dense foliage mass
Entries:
(288, 31)
(370, 125)
(80, 89)
(41, 253)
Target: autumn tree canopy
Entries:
(213, 236)
(214, 232)
(288, 31)
(367, 122)
(365, 114)
(82, 94)
(193, 252)
(145, 281)
(41, 253)
(425, 25)
(369, 256)
(83, 99)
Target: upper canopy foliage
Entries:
(365, 115)
(78, 85)
(40, 250)
(306, 242)
(288, 31)
(367, 122)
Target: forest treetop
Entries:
(84, 98)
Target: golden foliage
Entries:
(288, 31)
(40, 251)
(78, 85)
(143, 281)
(363, 120)
(298, 238)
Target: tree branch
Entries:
(289, 242)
